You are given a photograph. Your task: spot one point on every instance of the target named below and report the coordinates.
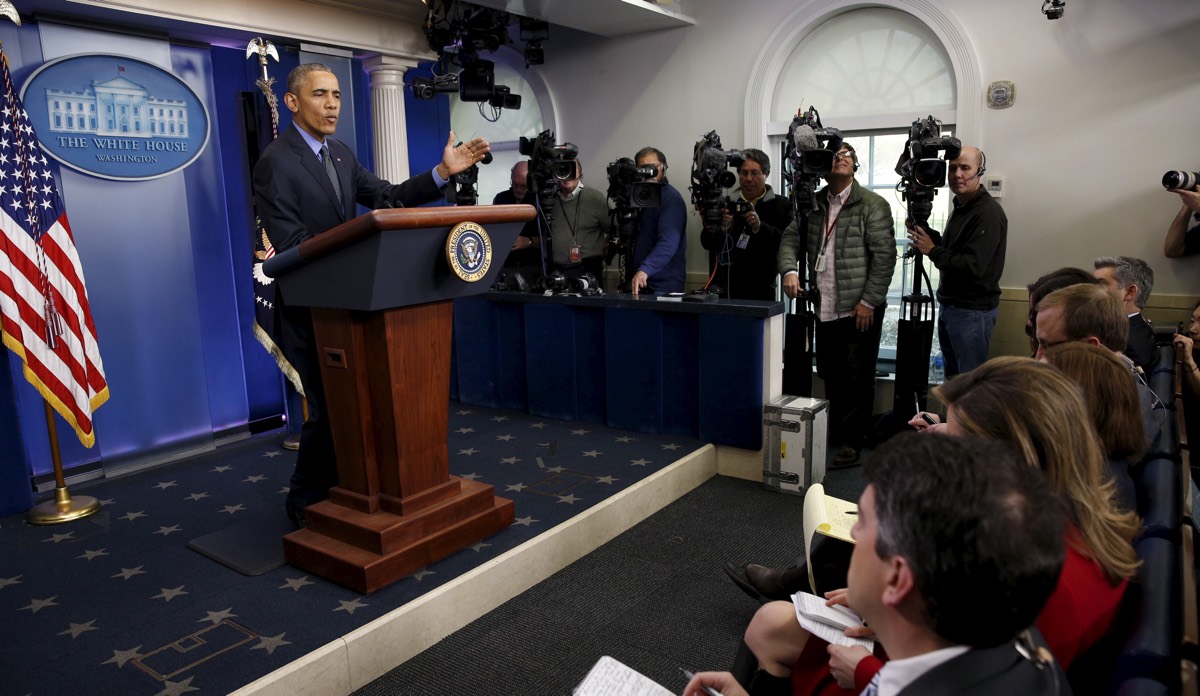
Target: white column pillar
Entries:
(389, 126)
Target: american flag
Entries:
(45, 317)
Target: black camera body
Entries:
(811, 152)
(921, 169)
(1180, 180)
(739, 206)
(711, 176)
(630, 189)
(629, 185)
(549, 165)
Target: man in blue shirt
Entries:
(660, 248)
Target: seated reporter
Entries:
(926, 500)
(1041, 413)
(1112, 401)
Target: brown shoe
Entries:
(292, 442)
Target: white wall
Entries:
(1107, 100)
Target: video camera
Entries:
(629, 189)
(458, 32)
(921, 170)
(1180, 180)
(813, 148)
(711, 176)
(465, 182)
(549, 165)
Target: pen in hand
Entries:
(707, 689)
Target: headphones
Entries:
(982, 163)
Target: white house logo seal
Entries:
(469, 251)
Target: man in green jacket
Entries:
(851, 258)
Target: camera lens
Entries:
(1180, 180)
(564, 170)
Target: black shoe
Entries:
(845, 457)
(295, 511)
(760, 582)
(738, 576)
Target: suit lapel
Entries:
(312, 164)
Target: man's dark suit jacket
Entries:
(999, 671)
(1140, 348)
(295, 200)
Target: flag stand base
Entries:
(63, 508)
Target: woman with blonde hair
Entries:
(1043, 415)
(1112, 400)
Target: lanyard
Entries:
(830, 227)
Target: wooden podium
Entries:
(381, 292)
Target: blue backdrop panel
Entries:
(635, 370)
(135, 241)
(731, 369)
(428, 122)
(211, 253)
(475, 356)
(550, 346)
(681, 369)
(16, 495)
(590, 345)
(235, 76)
(510, 347)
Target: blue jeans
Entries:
(966, 335)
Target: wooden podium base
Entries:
(367, 551)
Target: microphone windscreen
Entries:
(804, 138)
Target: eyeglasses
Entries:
(756, 173)
(846, 155)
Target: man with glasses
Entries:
(743, 250)
(851, 256)
(970, 257)
(1092, 314)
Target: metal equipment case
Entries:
(794, 455)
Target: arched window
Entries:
(870, 72)
(470, 119)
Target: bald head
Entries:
(963, 175)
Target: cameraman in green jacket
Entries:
(851, 258)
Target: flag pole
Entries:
(63, 508)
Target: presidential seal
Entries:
(469, 251)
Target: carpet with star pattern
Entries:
(117, 603)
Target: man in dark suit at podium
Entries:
(304, 184)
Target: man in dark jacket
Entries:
(1131, 280)
(969, 254)
(743, 250)
(851, 258)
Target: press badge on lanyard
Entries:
(819, 264)
(574, 253)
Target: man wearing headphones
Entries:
(970, 256)
(851, 258)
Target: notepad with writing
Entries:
(827, 540)
(828, 623)
(610, 677)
